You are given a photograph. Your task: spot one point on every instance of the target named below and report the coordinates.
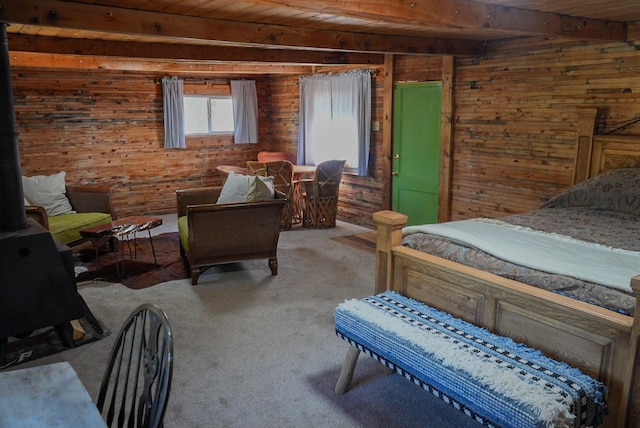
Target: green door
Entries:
(416, 151)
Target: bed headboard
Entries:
(599, 153)
(613, 152)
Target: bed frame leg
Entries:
(346, 374)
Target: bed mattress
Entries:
(609, 228)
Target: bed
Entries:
(599, 335)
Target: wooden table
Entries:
(121, 229)
(224, 171)
(48, 396)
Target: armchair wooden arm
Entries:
(39, 214)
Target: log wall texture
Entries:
(514, 130)
(515, 118)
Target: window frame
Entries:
(211, 132)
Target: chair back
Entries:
(266, 156)
(321, 195)
(136, 384)
(282, 173)
(327, 178)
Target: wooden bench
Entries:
(489, 377)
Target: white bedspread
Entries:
(543, 251)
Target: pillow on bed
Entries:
(615, 190)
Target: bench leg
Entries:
(346, 374)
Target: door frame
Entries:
(446, 135)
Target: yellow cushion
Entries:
(183, 231)
(66, 227)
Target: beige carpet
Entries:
(255, 350)
(364, 241)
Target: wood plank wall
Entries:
(516, 121)
(514, 126)
(106, 128)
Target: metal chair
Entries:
(320, 195)
(136, 384)
(282, 173)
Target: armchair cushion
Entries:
(49, 192)
(67, 227)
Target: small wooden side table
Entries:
(121, 229)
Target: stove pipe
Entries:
(12, 210)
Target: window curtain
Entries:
(245, 111)
(173, 94)
(335, 119)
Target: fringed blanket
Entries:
(491, 378)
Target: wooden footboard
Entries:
(601, 343)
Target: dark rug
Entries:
(364, 241)
(46, 341)
(138, 269)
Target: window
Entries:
(335, 119)
(208, 115)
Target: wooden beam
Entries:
(30, 59)
(60, 14)
(173, 51)
(471, 14)
(387, 130)
(446, 142)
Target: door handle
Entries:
(396, 156)
(394, 173)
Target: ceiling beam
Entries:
(60, 14)
(466, 14)
(175, 51)
(47, 60)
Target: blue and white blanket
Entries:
(491, 378)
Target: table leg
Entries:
(153, 250)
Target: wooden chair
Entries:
(266, 156)
(282, 173)
(136, 384)
(320, 195)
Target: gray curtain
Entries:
(245, 111)
(335, 119)
(173, 94)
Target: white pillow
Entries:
(261, 189)
(48, 191)
(235, 189)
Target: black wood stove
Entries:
(37, 281)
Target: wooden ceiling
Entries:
(287, 34)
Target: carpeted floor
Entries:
(256, 350)
(141, 271)
(364, 241)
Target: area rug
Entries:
(364, 241)
(46, 341)
(136, 268)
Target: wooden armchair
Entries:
(320, 195)
(213, 233)
(93, 206)
(282, 173)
